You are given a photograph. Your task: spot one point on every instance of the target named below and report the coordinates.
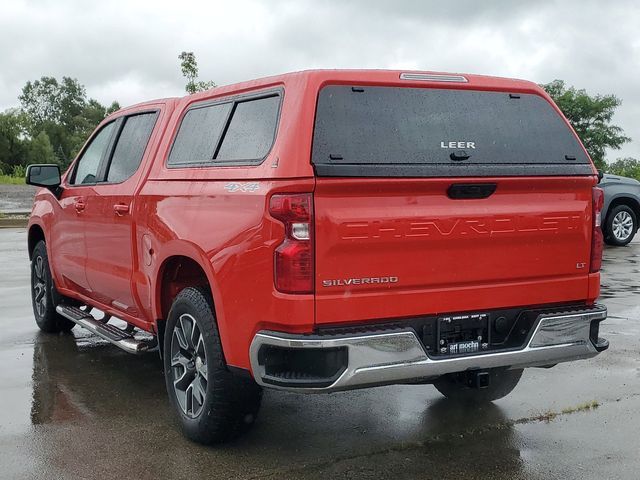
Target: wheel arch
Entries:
(35, 234)
(629, 201)
(175, 273)
(181, 267)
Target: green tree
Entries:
(590, 116)
(84, 123)
(113, 108)
(626, 167)
(40, 150)
(12, 140)
(189, 67)
(62, 111)
(48, 101)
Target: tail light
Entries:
(597, 241)
(293, 259)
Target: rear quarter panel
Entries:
(232, 237)
(218, 216)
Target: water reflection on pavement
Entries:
(72, 406)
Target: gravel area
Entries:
(16, 198)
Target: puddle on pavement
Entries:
(618, 279)
(75, 379)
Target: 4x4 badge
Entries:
(233, 187)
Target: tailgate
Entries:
(403, 248)
(433, 200)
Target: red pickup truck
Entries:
(327, 230)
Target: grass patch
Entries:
(546, 417)
(582, 407)
(550, 415)
(11, 180)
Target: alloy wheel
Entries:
(189, 366)
(622, 226)
(39, 285)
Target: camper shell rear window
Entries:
(428, 132)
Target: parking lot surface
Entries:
(72, 406)
(16, 198)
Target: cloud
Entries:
(127, 51)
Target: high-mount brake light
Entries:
(597, 240)
(433, 77)
(293, 259)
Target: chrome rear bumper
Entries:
(397, 356)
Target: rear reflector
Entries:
(293, 259)
(597, 240)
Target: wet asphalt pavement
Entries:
(72, 406)
(16, 198)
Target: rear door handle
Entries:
(79, 206)
(121, 209)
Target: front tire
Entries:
(212, 404)
(455, 386)
(621, 226)
(44, 296)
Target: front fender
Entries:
(42, 215)
(616, 193)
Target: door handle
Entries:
(121, 209)
(462, 191)
(79, 206)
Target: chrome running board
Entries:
(120, 338)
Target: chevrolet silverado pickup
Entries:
(323, 231)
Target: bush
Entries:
(12, 175)
(18, 171)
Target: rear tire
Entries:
(212, 404)
(621, 226)
(501, 383)
(44, 296)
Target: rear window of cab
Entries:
(236, 131)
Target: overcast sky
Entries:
(127, 50)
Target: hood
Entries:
(608, 178)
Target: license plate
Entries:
(463, 347)
(463, 334)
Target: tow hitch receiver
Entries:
(478, 379)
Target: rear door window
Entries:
(130, 147)
(239, 132)
(400, 131)
(199, 135)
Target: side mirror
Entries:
(600, 175)
(46, 175)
